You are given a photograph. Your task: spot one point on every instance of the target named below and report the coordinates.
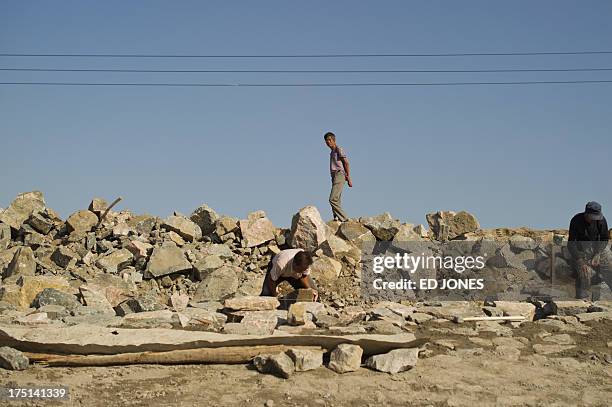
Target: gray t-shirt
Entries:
(335, 164)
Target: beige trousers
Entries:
(335, 196)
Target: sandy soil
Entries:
(471, 375)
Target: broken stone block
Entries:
(420, 317)
(165, 260)
(325, 270)
(96, 299)
(187, 229)
(24, 205)
(383, 226)
(40, 318)
(520, 243)
(54, 311)
(115, 261)
(326, 321)
(254, 323)
(279, 365)
(407, 233)
(122, 229)
(356, 233)
(23, 263)
(257, 229)
(252, 303)
(337, 248)
(225, 225)
(5, 235)
(81, 221)
(302, 312)
(305, 360)
(144, 303)
(205, 217)
(41, 222)
(12, 359)
(383, 328)
(395, 361)
(64, 257)
(345, 358)
(27, 287)
(206, 266)
(176, 238)
(51, 296)
(308, 230)
(218, 285)
(143, 224)
(511, 308)
(179, 301)
(139, 249)
(456, 224)
(98, 206)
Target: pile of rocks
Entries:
(97, 265)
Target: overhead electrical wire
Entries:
(304, 70)
(331, 55)
(371, 84)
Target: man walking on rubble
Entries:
(291, 265)
(340, 173)
(588, 245)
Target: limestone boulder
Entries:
(24, 205)
(257, 229)
(383, 226)
(345, 358)
(115, 261)
(184, 227)
(22, 264)
(167, 259)
(218, 285)
(81, 221)
(308, 231)
(448, 225)
(205, 217)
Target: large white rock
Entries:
(398, 360)
(167, 259)
(383, 226)
(205, 217)
(308, 230)
(82, 221)
(252, 303)
(22, 207)
(187, 229)
(256, 229)
(345, 358)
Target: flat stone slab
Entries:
(87, 339)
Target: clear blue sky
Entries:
(512, 155)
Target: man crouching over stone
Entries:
(289, 265)
(588, 245)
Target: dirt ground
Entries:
(470, 375)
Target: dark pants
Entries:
(594, 277)
(295, 283)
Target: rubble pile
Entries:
(203, 272)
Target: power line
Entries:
(390, 55)
(303, 70)
(303, 84)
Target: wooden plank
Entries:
(223, 355)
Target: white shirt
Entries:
(282, 265)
